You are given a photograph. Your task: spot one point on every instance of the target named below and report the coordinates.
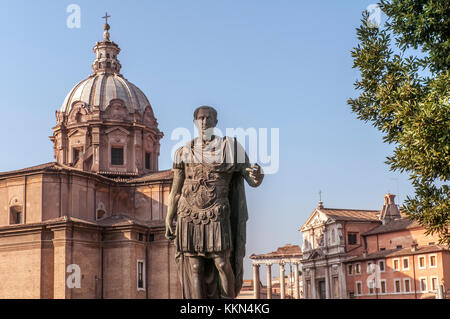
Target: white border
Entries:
(393, 264)
(400, 281)
(424, 262)
(420, 284)
(404, 285)
(403, 265)
(384, 262)
(435, 260)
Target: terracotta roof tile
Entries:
(351, 214)
(153, 177)
(287, 250)
(399, 252)
(394, 225)
(30, 169)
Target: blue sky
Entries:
(263, 64)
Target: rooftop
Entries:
(392, 226)
(286, 251)
(399, 252)
(345, 214)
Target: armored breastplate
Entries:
(204, 186)
(204, 196)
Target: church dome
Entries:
(106, 124)
(100, 88)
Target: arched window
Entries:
(147, 161)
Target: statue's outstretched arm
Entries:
(253, 175)
(174, 196)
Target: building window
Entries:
(399, 246)
(434, 283)
(15, 216)
(117, 155)
(358, 288)
(396, 264)
(107, 55)
(140, 275)
(147, 160)
(407, 284)
(352, 238)
(423, 284)
(405, 263)
(433, 263)
(357, 268)
(369, 267)
(382, 265)
(383, 286)
(397, 286)
(76, 154)
(381, 249)
(422, 262)
(350, 269)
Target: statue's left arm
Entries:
(253, 174)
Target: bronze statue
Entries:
(208, 198)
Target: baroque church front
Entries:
(98, 211)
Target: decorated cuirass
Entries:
(204, 196)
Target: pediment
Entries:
(117, 130)
(78, 112)
(317, 218)
(317, 253)
(116, 110)
(77, 132)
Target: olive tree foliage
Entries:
(404, 91)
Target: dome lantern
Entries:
(106, 53)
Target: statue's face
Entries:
(205, 120)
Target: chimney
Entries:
(320, 205)
(414, 246)
(390, 210)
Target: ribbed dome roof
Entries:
(100, 88)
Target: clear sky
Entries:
(263, 64)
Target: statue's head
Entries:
(205, 118)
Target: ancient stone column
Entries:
(313, 283)
(296, 283)
(327, 282)
(256, 281)
(269, 281)
(282, 292)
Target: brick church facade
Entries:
(91, 224)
